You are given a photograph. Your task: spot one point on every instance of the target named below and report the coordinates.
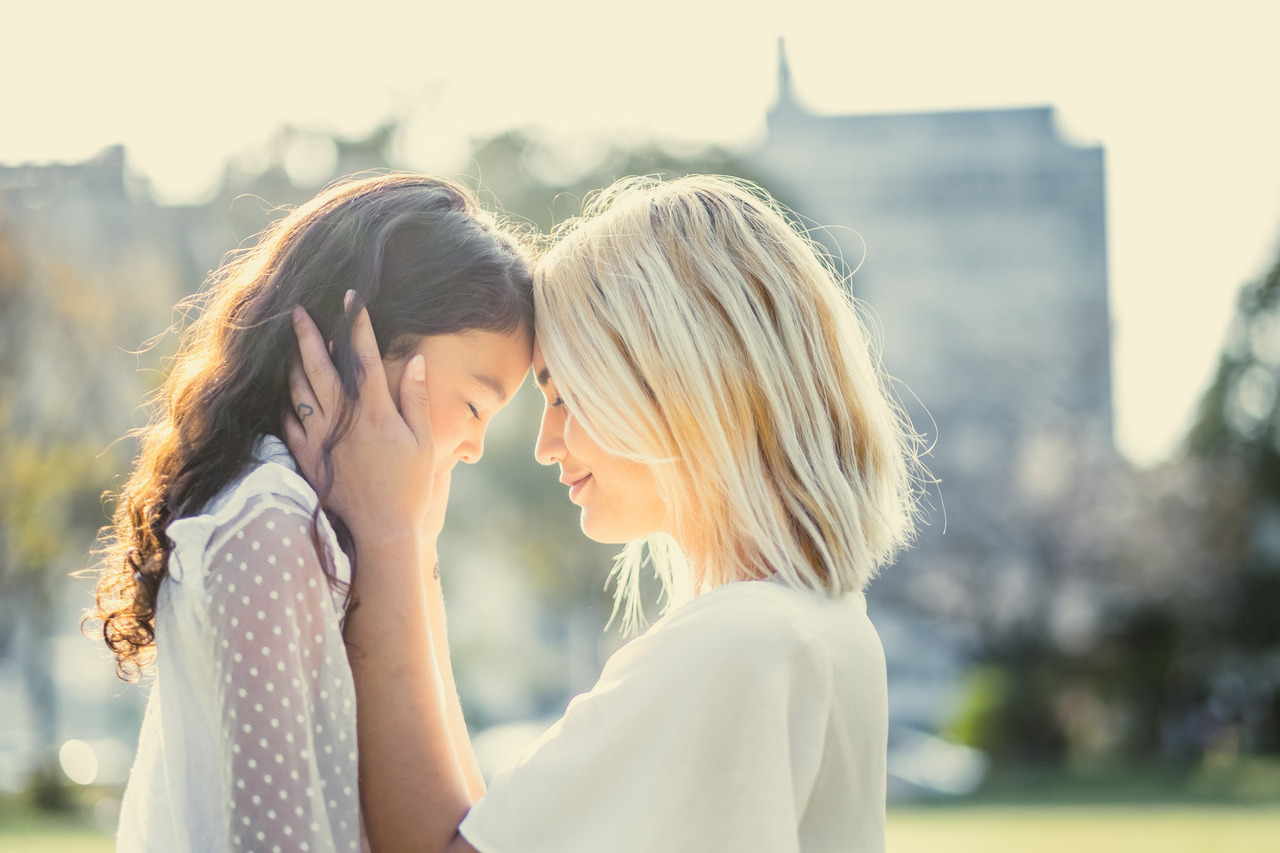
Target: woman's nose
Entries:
(550, 447)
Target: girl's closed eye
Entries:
(474, 413)
(557, 402)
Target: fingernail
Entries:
(349, 299)
(418, 368)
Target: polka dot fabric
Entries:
(286, 701)
(249, 738)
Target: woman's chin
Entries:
(595, 534)
(600, 530)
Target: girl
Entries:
(711, 398)
(221, 566)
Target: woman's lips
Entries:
(576, 487)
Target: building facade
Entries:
(979, 244)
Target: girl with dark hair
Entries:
(223, 570)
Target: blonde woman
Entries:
(712, 399)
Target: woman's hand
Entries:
(413, 784)
(383, 467)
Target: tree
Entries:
(1238, 429)
(85, 274)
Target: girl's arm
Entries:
(284, 704)
(413, 785)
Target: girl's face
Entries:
(619, 498)
(470, 377)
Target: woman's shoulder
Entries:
(763, 608)
(755, 621)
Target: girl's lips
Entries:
(577, 487)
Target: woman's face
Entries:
(619, 498)
(470, 377)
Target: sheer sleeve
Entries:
(286, 699)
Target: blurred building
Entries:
(984, 238)
(979, 239)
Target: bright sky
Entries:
(1185, 103)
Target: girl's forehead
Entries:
(541, 373)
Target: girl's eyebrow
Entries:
(493, 385)
(543, 376)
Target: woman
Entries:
(221, 566)
(710, 395)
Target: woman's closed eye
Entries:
(557, 402)
(474, 412)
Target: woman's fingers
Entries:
(378, 474)
(365, 345)
(306, 408)
(322, 381)
(298, 441)
(306, 424)
(414, 405)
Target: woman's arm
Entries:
(414, 788)
(440, 642)
(432, 527)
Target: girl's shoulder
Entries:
(273, 473)
(271, 484)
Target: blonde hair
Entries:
(692, 326)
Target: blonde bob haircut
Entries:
(693, 326)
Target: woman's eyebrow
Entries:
(543, 376)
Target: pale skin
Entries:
(619, 498)
(418, 775)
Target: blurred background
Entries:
(1065, 222)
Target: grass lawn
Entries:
(34, 833)
(953, 829)
(1085, 829)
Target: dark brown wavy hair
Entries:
(419, 252)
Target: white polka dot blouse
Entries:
(249, 739)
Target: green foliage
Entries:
(532, 180)
(1182, 564)
(46, 484)
(1239, 416)
(1238, 428)
(986, 691)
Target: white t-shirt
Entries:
(753, 718)
(249, 738)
